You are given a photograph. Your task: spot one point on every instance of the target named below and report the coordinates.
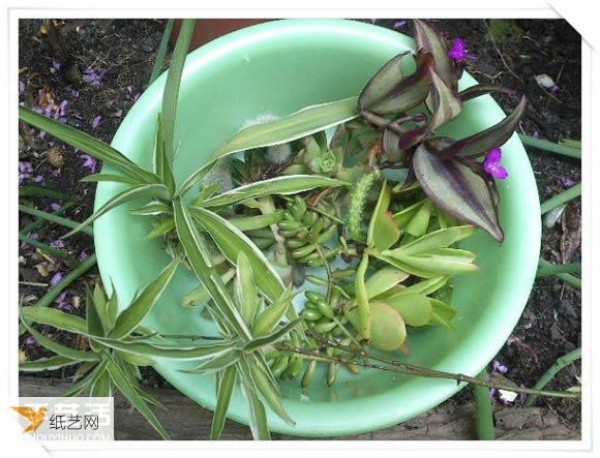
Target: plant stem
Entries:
(27, 191)
(409, 369)
(40, 222)
(49, 297)
(159, 63)
(561, 198)
(555, 269)
(63, 254)
(53, 218)
(560, 364)
(485, 412)
(550, 146)
(573, 281)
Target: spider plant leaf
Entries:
(232, 242)
(97, 299)
(136, 359)
(112, 307)
(162, 163)
(47, 364)
(271, 338)
(177, 352)
(154, 208)
(131, 193)
(83, 370)
(383, 280)
(383, 230)
(225, 392)
(302, 123)
(216, 364)
(270, 317)
(363, 325)
(252, 223)
(102, 386)
(60, 349)
(482, 142)
(446, 107)
(200, 294)
(258, 416)
(284, 185)
(245, 289)
(84, 385)
(383, 82)
(415, 309)
(124, 385)
(133, 315)
(171, 93)
(437, 239)
(458, 190)
(199, 259)
(87, 144)
(440, 261)
(99, 177)
(431, 41)
(409, 93)
(482, 89)
(162, 228)
(55, 318)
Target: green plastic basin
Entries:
(278, 68)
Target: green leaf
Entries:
(383, 231)
(492, 137)
(284, 185)
(163, 227)
(251, 223)
(216, 364)
(55, 318)
(133, 315)
(102, 386)
(60, 349)
(200, 295)
(246, 293)
(153, 208)
(131, 193)
(136, 359)
(258, 416)
(87, 144)
(409, 93)
(414, 308)
(200, 261)
(94, 324)
(162, 163)
(85, 384)
(404, 216)
(383, 82)
(47, 364)
(388, 328)
(270, 317)
(177, 352)
(437, 239)
(125, 385)
(169, 100)
(225, 391)
(270, 339)
(419, 223)
(383, 280)
(431, 41)
(98, 177)
(458, 190)
(302, 123)
(362, 300)
(98, 300)
(232, 242)
(441, 261)
(425, 287)
(442, 313)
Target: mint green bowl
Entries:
(278, 68)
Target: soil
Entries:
(122, 53)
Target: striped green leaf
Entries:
(225, 391)
(47, 364)
(55, 318)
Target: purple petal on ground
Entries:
(64, 303)
(56, 65)
(399, 24)
(93, 77)
(63, 108)
(567, 182)
(83, 255)
(96, 122)
(57, 244)
(56, 206)
(38, 179)
(89, 162)
(21, 87)
(56, 278)
(25, 167)
(499, 367)
(30, 341)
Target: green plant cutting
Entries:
(354, 210)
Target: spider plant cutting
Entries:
(358, 203)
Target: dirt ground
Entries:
(104, 65)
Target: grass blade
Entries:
(133, 315)
(52, 218)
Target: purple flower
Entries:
(499, 367)
(30, 341)
(64, 303)
(89, 162)
(56, 65)
(56, 206)
(93, 77)
(25, 171)
(63, 108)
(567, 182)
(57, 244)
(492, 164)
(56, 278)
(83, 255)
(459, 51)
(399, 24)
(96, 122)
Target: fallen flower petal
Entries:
(96, 122)
(56, 278)
(57, 244)
(89, 162)
(56, 206)
(459, 51)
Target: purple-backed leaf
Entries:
(409, 93)
(447, 107)
(431, 41)
(482, 89)
(492, 137)
(458, 190)
(380, 85)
